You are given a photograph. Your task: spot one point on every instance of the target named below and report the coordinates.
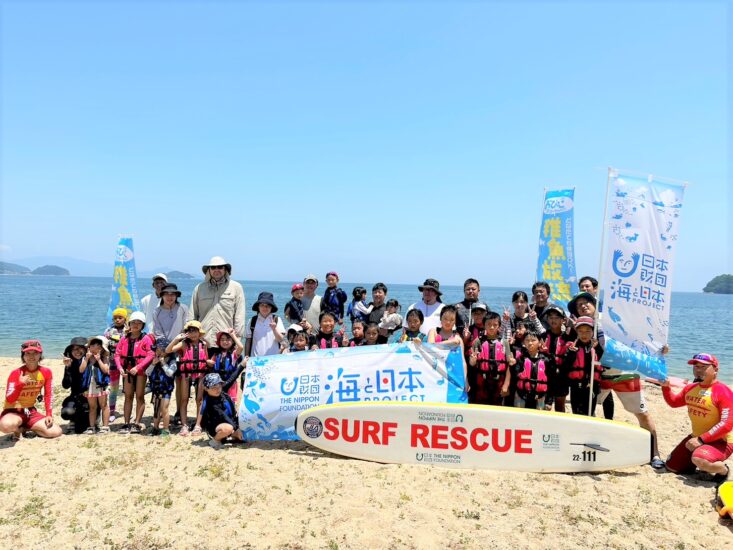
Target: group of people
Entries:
(534, 356)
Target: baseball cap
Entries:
(212, 379)
(160, 276)
(587, 321)
(310, 277)
(296, 286)
(705, 359)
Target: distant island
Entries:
(50, 270)
(722, 284)
(15, 269)
(178, 275)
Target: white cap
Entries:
(137, 316)
(160, 276)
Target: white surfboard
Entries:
(474, 436)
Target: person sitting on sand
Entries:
(22, 390)
(710, 407)
(218, 413)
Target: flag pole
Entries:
(597, 316)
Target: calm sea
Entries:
(54, 309)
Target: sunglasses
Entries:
(217, 267)
(192, 329)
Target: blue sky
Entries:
(388, 141)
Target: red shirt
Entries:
(23, 396)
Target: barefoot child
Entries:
(113, 335)
(95, 373)
(192, 355)
(22, 390)
(133, 355)
(218, 413)
(161, 373)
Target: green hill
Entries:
(13, 269)
(50, 270)
(722, 284)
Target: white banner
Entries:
(641, 235)
(277, 388)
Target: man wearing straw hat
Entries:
(218, 303)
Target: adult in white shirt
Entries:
(430, 305)
(311, 304)
(266, 330)
(152, 300)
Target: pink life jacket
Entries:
(532, 379)
(560, 347)
(325, 343)
(439, 338)
(188, 365)
(495, 362)
(577, 370)
(141, 349)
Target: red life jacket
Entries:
(492, 358)
(560, 347)
(532, 379)
(578, 368)
(187, 364)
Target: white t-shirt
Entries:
(431, 313)
(147, 306)
(263, 339)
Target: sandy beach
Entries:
(145, 492)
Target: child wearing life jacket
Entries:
(133, 355)
(583, 360)
(229, 357)
(75, 408)
(414, 320)
(531, 372)
(192, 356)
(489, 365)
(114, 334)
(22, 390)
(218, 413)
(446, 332)
(325, 337)
(475, 329)
(266, 330)
(391, 320)
(371, 334)
(94, 369)
(294, 311)
(554, 346)
(334, 298)
(161, 375)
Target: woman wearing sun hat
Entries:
(710, 407)
(23, 388)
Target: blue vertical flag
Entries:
(642, 221)
(556, 258)
(124, 284)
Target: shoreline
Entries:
(167, 493)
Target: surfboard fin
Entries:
(594, 446)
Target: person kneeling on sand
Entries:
(218, 413)
(710, 407)
(23, 388)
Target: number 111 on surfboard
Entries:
(474, 437)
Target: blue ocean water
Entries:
(54, 309)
